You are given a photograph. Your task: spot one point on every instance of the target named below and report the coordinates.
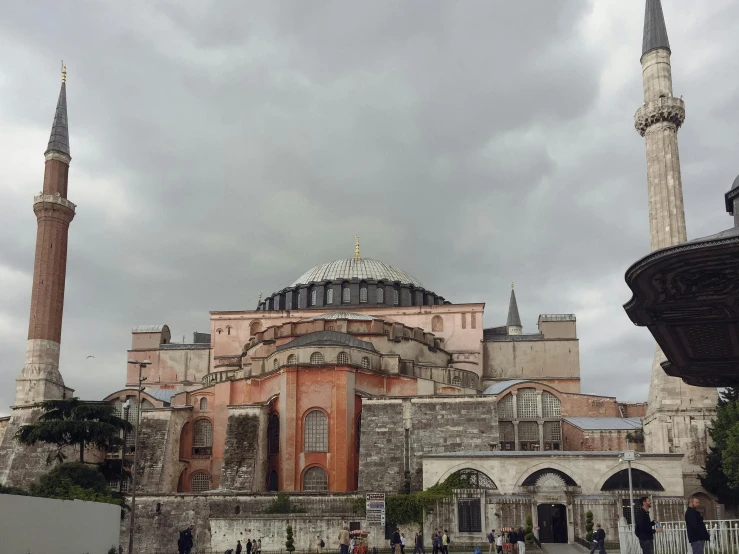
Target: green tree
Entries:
(74, 422)
(529, 530)
(289, 544)
(76, 481)
(721, 472)
(589, 526)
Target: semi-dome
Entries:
(356, 268)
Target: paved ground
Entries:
(551, 548)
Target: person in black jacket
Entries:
(644, 528)
(697, 532)
(599, 540)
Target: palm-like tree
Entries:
(75, 422)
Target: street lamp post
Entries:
(141, 365)
(126, 407)
(629, 456)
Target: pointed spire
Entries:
(59, 139)
(514, 320)
(655, 31)
(356, 247)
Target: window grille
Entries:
(626, 510)
(330, 328)
(380, 294)
(505, 408)
(506, 431)
(345, 295)
(330, 296)
(292, 359)
(313, 297)
(200, 482)
(527, 404)
(315, 480)
(316, 358)
(363, 294)
(133, 414)
(203, 404)
(457, 381)
(437, 324)
(202, 438)
(342, 358)
(273, 435)
(474, 479)
(528, 435)
(316, 432)
(275, 363)
(365, 362)
(470, 520)
(552, 435)
(395, 297)
(550, 405)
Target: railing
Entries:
(673, 539)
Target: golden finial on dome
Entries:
(511, 284)
(64, 72)
(259, 301)
(356, 247)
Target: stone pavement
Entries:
(558, 548)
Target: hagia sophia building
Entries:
(357, 378)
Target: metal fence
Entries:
(673, 539)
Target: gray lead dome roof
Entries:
(356, 268)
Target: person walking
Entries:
(248, 546)
(259, 546)
(402, 543)
(395, 542)
(344, 540)
(418, 544)
(238, 547)
(319, 544)
(695, 526)
(435, 542)
(644, 528)
(445, 542)
(521, 541)
(599, 538)
(351, 545)
(187, 540)
(491, 541)
(499, 543)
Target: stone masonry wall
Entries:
(151, 450)
(22, 465)
(244, 462)
(396, 433)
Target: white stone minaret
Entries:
(678, 414)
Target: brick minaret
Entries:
(40, 378)
(677, 414)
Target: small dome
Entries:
(356, 268)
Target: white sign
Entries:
(375, 517)
(628, 456)
(376, 505)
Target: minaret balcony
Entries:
(54, 199)
(666, 108)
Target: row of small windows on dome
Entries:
(316, 358)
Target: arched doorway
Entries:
(552, 523)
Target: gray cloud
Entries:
(220, 150)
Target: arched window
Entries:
(550, 405)
(202, 438)
(292, 359)
(380, 293)
(472, 479)
(365, 362)
(505, 407)
(255, 327)
(437, 324)
(316, 358)
(315, 479)
(330, 295)
(345, 294)
(527, 404)
(276, 363)
(300, 299)
(457, 381)
(363, 293)
(313, 297)
(395, 297)
(203, 404)
(277, 302)
(267, 304)
(289, 300)
(316, 432)
(342, 358)
(273, 435)
(272, 481)
(200, 482)
(641, 480)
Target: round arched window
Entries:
(316, 358)
(203, 404)
(276, 363)
(292, 359)
(365, 362)
(342, 358)
(315, 479)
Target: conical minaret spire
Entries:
(40, 378)
(655, 30)
(678, 415)
(514, 319)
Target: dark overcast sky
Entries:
(222, 148)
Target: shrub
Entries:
(529, 530)
(289, 544)
(589, 526)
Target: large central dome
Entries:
(356, 268)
